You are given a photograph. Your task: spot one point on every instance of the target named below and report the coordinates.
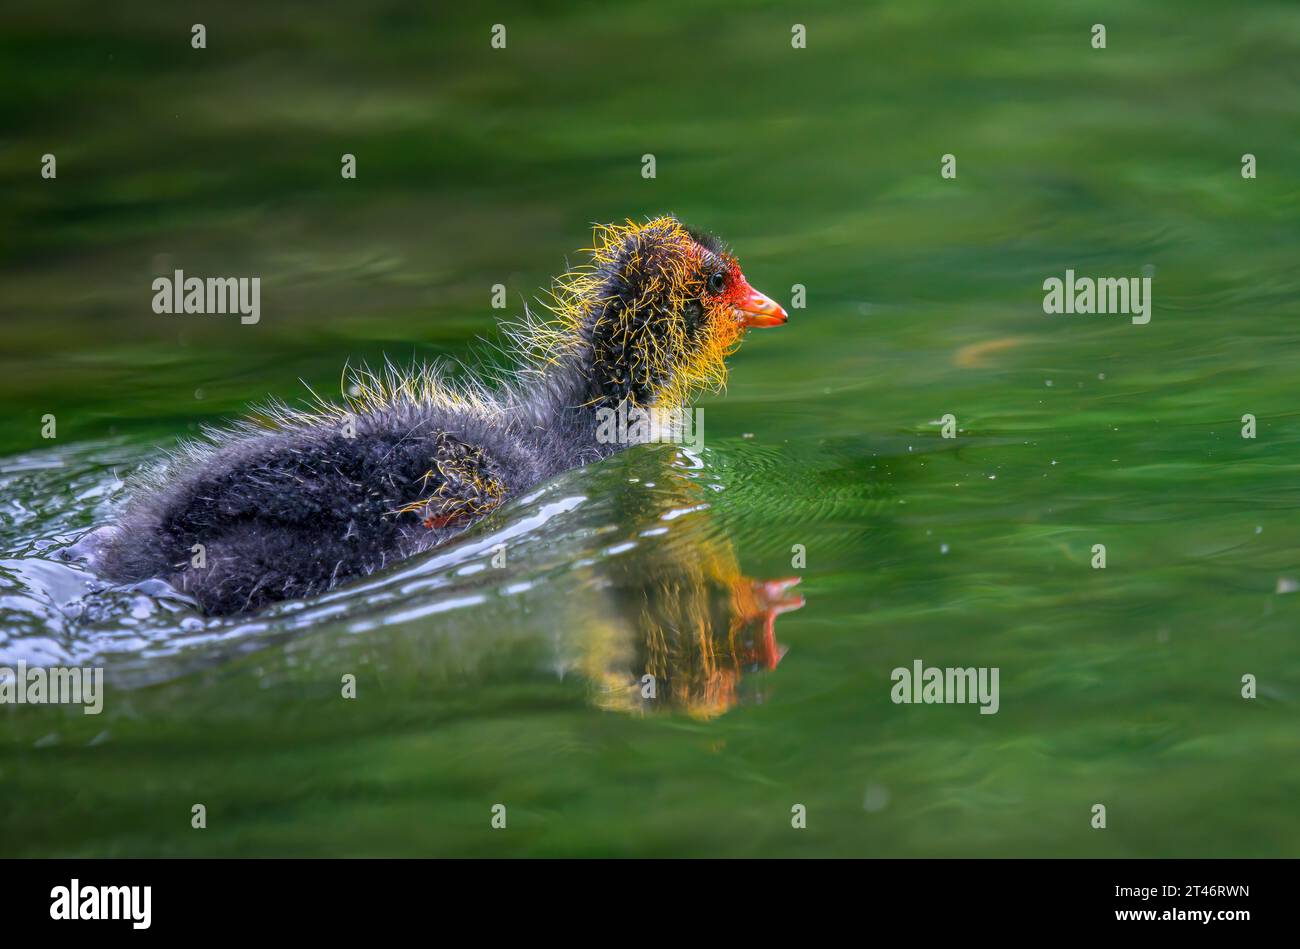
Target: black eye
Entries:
(717, 282)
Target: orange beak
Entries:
(756, 309)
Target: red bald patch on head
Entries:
(737, 285)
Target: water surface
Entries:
(480, 684)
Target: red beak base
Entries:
(757, 309)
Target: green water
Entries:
(480, 685)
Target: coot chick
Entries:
(291, 502)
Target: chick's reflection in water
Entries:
(679, 625)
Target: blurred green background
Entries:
(479, 166)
